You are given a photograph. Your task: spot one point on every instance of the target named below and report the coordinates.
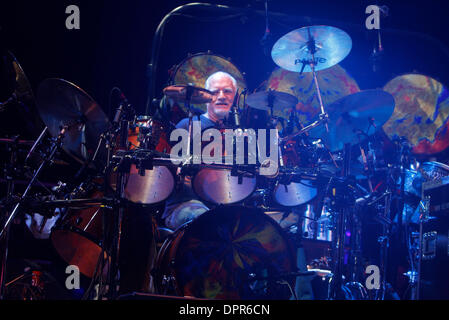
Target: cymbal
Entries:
(264, 100)
(335, 83)
(355, 114)
(421, 114)
(179, 93)
(19, 116)
(62, 103)
(331, 46)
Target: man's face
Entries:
(223, 91)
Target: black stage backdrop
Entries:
(113, 45)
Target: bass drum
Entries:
(229, 252)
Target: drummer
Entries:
(183, 206)
(223, 87)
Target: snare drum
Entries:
(222, 253)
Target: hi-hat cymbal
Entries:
(265, 100)
(355, 114)
(179, 93)
(62, 103)
(294, 50)
(421, 114)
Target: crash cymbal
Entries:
(265, 100)
(354, 115)
(179, 93)
(62, 103)
(335, 83)
(294, 50)
(421, 114)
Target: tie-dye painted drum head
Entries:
(196, 68)
(334, 82)
(421, 113)
(227, 253)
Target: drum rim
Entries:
(77, 231)
(216, 203)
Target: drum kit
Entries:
(340, 159)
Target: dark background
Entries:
(113, 46)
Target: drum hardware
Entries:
(56, 144)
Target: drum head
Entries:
(197, 68)
(220, 187)
(222, 249)
(421, 113)
(153, 187)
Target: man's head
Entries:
(224, 87)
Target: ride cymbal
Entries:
(354, 115)
(62, 103)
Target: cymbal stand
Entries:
(4, 233)
(189, 93)
(112, 237)
(273, 123)
(9, 175)
(342, 205)
(312, 48)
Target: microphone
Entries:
(266, 39)
(123, 107)
(235, 111)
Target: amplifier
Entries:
(434, 275)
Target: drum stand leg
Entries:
(342, 204)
